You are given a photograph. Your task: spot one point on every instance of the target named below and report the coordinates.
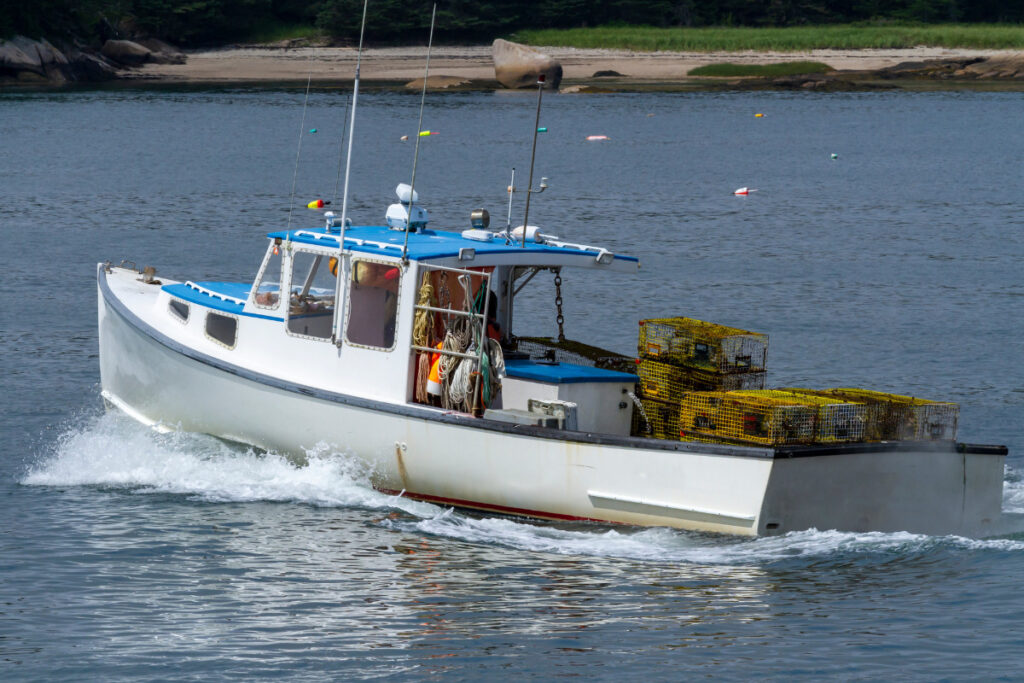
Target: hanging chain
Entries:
(560, 319)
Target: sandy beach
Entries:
(400, 65)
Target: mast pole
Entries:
(419, 129)
(533, 155)
(342, 268)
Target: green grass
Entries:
(790, 39)
(273, 32)
(728, 70)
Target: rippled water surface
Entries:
(125, 554)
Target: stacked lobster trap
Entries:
(682, 355)
(807, 416)
(770, 418)
(699, 381)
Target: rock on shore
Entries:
(27, 61)
(518, 66)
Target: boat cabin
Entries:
(421, 317)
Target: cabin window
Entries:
(222, 328)
(373, 304)
(179, 310)
(311, 298)
(268, 284)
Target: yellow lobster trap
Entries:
(770, 417)
(893, 417)
(658, 420)
(720, 416)
(837, 419)
(667, 382)
(698, 344)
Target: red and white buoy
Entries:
(743, 191)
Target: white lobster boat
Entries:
(277, 364)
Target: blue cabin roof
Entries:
(431, 244)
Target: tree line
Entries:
(212, 22)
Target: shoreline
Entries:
(473, 66)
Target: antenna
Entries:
(298, 151)
(341, 146)
(533, 155)
(419, 129)
(342, 271)
(508, 219)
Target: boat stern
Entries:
(936, 488)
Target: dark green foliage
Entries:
(56, 19)
(199, 22)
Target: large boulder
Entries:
(84, 66)
(518, 66)
(161, 52)
(126, 52)
(33, 60)
(14, 60)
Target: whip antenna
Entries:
(533, 155)
(419, 129)
(342, 269)
(298, 151)
(341, 147)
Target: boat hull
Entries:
(463, 461)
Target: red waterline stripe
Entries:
(458, 502)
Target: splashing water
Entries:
(113, 451)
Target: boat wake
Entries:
(114, 452)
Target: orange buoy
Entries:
(434, 379)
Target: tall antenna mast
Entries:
(342, 269)
(419, 129)
(533, 155)
(352, 127)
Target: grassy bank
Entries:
(790, 39)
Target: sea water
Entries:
(127, 554)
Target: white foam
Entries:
(114, 451)
(668, 545)
(1013, 491)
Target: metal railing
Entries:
(479, 320)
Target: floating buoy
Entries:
(833, 156)
(758, 116)
(404, 138)
(317, 204)
(542, 130)
(594, 138)
(743, 191)
(312, 130)
(426, 133)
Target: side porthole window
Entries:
(268, 290)
(222, 328)
(373, 304)
(179, 309)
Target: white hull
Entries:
(451, 459)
